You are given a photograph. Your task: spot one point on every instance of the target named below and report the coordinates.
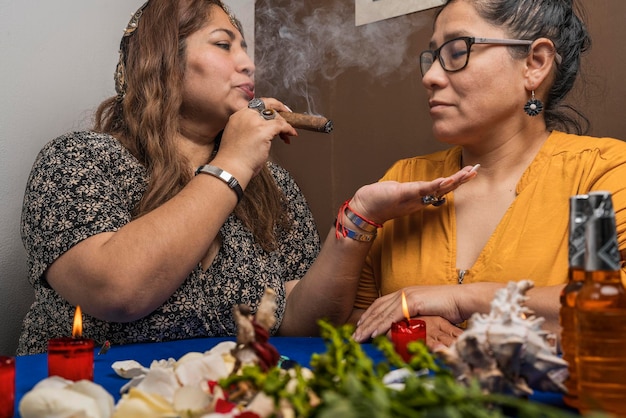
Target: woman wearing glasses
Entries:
(497, 73)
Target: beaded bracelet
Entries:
(341, 230)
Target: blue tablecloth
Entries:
(31, 369)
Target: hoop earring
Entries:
(533, 106)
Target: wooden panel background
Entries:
(382, 118)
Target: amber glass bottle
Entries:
(576, 276)
(601, 315)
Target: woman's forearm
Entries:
(542, 300)
(328, 289)
(124, 275)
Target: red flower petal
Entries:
(223, 406)
(248, 414)
(212, 384)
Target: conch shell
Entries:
(506, 350)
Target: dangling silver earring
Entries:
(533, 106)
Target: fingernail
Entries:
(475, 168)
(289, 109)
(374, 334)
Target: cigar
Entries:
(308, 122)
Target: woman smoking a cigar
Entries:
(168, 213)
(498, 103)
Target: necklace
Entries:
(216, 146)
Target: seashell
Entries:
(506, 350)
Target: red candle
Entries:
(406, 331)
(7, 386)
(71, 357)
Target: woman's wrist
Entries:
(360, 221)
(351, 224)
(343, 231)
(223, 175)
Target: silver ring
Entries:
(256, 104)
(268, 114)
(433, 200)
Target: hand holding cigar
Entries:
(297, 120)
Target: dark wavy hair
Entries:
(559, 21)
(145, 119)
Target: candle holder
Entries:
(406, 331)
(7, 386)
(71, 358)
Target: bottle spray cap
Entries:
(601, 236)
(578, 215)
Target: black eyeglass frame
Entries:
(469, 41)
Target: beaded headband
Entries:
(120, 70)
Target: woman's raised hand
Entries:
(389, 199)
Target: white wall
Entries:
(56, 65)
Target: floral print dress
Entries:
(85, 183)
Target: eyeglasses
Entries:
(454, 54)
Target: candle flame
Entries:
(405, 307)
(77, 327)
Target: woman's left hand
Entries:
(421, 300)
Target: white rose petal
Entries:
(62, 398)
(191, 400)
(195, 371)
(169, 363)
(129, 368)
(160, 381)
(225, 347)
(193, 355)
(103, 399)
(58, 403)
(139, 404)
(53, 382)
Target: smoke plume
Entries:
(295, 44)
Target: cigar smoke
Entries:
(296, 43)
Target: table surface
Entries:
(33, 368)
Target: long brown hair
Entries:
(145, 118)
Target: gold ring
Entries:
(268, 114)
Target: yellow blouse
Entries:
(531, 240)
